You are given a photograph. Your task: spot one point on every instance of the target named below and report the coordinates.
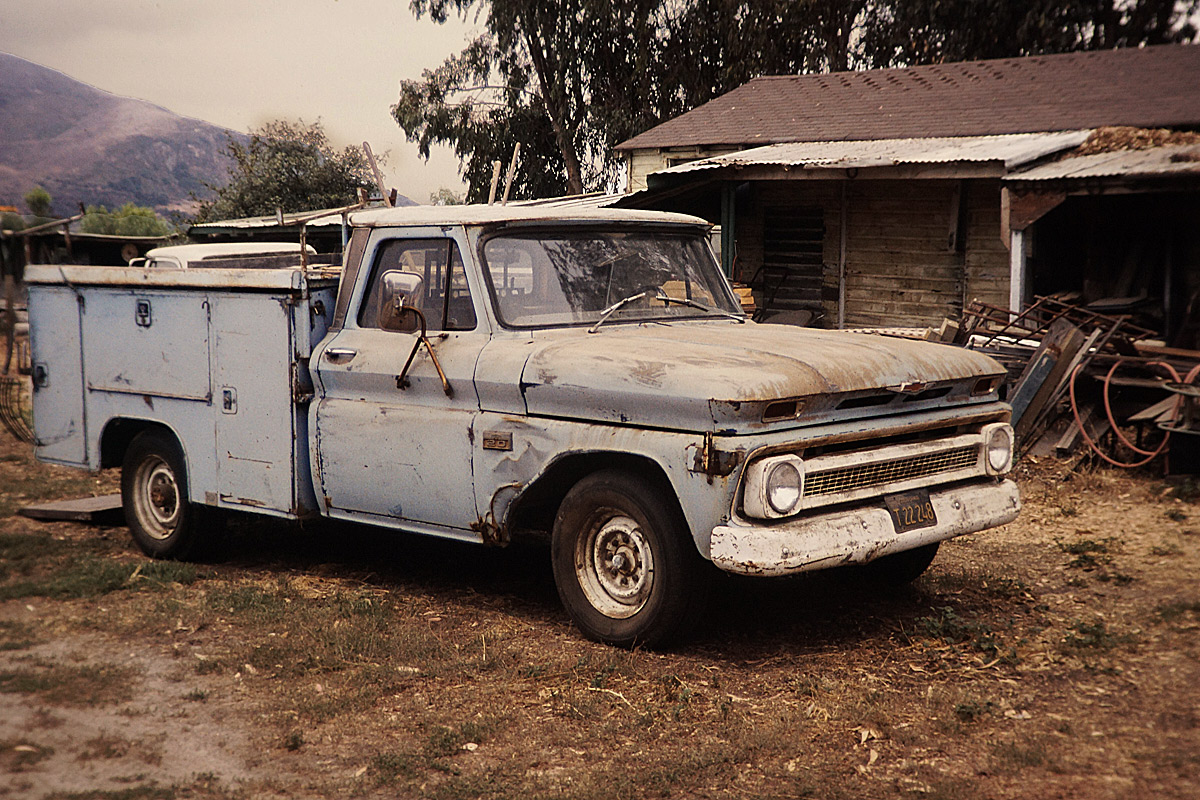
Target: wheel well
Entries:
(118, 434)
(537, 506)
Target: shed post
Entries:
(728, 217)
(1017, 269)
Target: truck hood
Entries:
(700, 375)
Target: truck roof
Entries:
(497, 214)
(188, 253)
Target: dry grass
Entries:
(368, 664)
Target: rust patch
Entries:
(649, 373)
(713, 462)
(491, 533)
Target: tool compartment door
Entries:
(147, 343)
(252, 401)
(57, 357)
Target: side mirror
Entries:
(399, 292)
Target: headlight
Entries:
(774, 487)
(784, 485)
(998, 447)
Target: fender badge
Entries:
(497, 440)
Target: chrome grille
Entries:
(880, 473)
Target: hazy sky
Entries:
(239, 63)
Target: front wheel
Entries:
(899, 569)
(154, 493)
(624, 562)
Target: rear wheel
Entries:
(154, 492)
(624, 562)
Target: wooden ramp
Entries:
(104, 510)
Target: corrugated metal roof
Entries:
(1164, 161)
(1010, 150)
(291, 219)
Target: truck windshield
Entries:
(543, 279)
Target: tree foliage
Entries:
(290, 166)
(446, 197)
(11, 222)
(570, 79)
(968, 30)
(37, 200)
(128, 220)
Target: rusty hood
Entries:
(694, 376)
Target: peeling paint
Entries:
(858, 534)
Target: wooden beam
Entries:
(1017, 272)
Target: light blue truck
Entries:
(484, 372)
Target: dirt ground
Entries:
(1054, 658)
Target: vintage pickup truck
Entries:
(486, 372)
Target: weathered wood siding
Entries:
(642, 162)
(900, 268)
(987, 259)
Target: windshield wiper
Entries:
(667, 300)
(686, 301)
(617, 306)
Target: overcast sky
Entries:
(239, 63)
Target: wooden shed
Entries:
(892, 197)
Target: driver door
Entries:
(398, 452)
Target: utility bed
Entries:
(217, 355)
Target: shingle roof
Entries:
(1149, 87)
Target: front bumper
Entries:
(858, 534)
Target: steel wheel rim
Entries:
(615, 566)
(157, 498)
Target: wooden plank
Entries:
(1049, 396)
(1070, 439)
(1170, 352)
(889, 283)
(1044, 373)
(1163, 408)
(103, 510)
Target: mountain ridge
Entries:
(87, 145)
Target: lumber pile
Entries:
(745, 296)
(1077, 376)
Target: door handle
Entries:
(340, 354)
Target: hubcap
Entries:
(615, 567)
(157, 498)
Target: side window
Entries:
(446, 303)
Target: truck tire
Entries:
(154, 492)
(899, 569)
(624, 562)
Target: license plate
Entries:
(911, 510)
